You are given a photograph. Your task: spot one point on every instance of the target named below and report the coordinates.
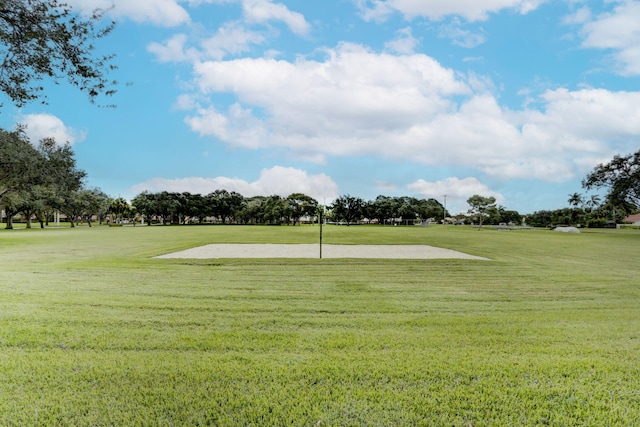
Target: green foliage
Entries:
(576, 199)
(225, 205)
(579, 216)
(498, 214)
(621, 177)
(299, 205)
(272, 210)
(597, 223)
(480, 207)
(37, 181)
(63, 179)
(93, 331)
(119, 208)
(144, 204)
(19, 163)
(347, 208)
(230, 207)
(385, 209)
(46, 39)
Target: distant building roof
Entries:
(634, 219)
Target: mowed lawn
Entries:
(95, 332)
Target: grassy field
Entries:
(95, 332)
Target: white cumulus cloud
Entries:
(41, 126)
(338, 106)
(460, 36)
(357, 102)
(618, 31)
(173, 49)
(456, 190)
(471, 10)
(167, 13)
(231, 39)
(277, 180)
(404, 42)
(261, 11)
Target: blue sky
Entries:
(516, 99)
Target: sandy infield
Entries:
(313, 251)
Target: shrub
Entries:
(597, 223)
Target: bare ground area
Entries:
(313, 251)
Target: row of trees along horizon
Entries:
(49, 40)
(38, 181)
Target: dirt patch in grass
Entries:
(313, 251)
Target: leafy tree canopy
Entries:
(300, 204)
(19, 162)
(480, 206)
(47, 39)
(348, 208)
(621, 176)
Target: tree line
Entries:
(227, 207)
(47, 39)
(591, 212)
(37, 181)
(621, 179)
(221, 206)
